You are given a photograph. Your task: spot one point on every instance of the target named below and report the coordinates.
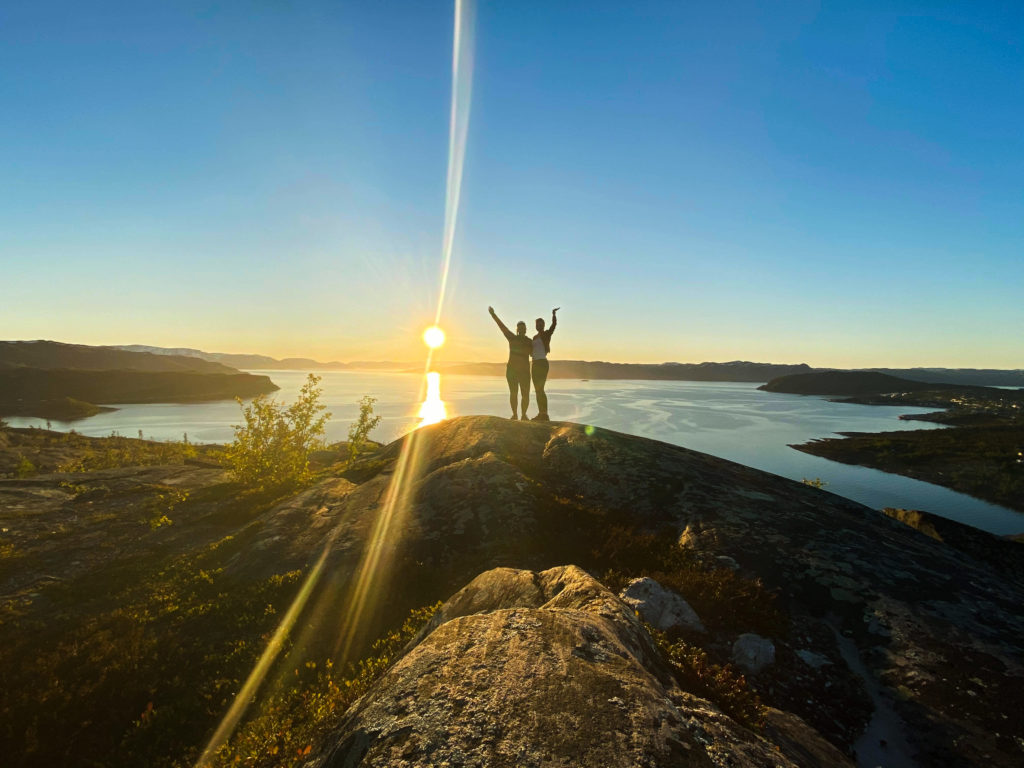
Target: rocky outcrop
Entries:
(938, 628)
(542, 669)
(886, 632)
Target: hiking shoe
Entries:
(541, 417)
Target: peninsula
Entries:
(981, 455)
(51, 380)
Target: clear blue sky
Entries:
(835, 183)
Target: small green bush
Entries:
(160, 506)
(272, 448)
(24, 467)
(361, 429)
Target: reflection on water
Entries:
(734, 421)
(433, 409)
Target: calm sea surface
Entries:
(734, 421)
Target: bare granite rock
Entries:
(660, 607)
(544, 669)
(753, 652)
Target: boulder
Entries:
(660, 607)
(753, 652)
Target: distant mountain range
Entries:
(737, 370)
(50, 354)
(265, 363)
(54, 354)
(985, 377)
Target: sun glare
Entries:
(433, 337)
(371, 577)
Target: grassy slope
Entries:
(129, 655)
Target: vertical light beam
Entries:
(458, 128)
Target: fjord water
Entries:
(732, 420)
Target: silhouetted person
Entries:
(541, 347)
(517, 371)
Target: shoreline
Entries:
(981, 462)
(980, 453)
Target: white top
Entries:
(539, 353)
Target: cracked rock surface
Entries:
(548, 669)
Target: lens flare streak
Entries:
(458, 128)
(250, 688)
(375, 567)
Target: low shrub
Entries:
(272, 448)
(361, 429)
(24, 467)
(724, 600)
(723, 685)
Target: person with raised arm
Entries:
(517, 370)
(540, 350)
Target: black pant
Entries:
(517, 374)
(540, 375)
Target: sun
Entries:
(433, 337)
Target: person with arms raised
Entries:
(517, 370)
(540, 349)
